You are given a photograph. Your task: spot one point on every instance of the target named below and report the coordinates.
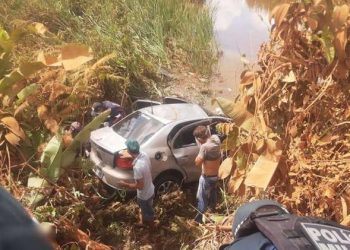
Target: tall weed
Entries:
(145, 35)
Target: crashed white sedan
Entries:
(165, 133)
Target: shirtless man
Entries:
(209, 158)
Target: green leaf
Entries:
(5, 64)
(326, 41)
(26, 27)
(9, 80)
(217, 218)
(25, 70)
(329, 53)
(83, 136)
(51, 158)
(249, 124)
(232, 139)
(241, 160)
(5, 41)
(35, 197)
(25, 92)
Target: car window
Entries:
(138, 126)
(185, 139)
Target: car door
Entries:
(185, 149)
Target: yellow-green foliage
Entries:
(144, 34)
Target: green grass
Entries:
(145, 34)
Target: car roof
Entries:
(175, 112)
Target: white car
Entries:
(165, 134)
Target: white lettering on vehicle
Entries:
(332, 247)
(326, 237)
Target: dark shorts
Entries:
(146, 208)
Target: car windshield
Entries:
(138, 126)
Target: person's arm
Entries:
(138, 184)
(200, 157)
(198, 161)
(138, 176)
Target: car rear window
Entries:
(138, 126)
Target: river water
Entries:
(240, 27)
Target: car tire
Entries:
(166, 183)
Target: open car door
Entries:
(185, 149)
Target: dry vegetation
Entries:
(290, 141)
(57, 61)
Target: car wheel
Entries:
(165, 184)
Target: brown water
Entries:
(241, 26)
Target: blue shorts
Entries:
(146, 208)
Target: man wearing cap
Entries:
(143, 182)
(117, 111)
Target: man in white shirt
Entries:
(143, 182)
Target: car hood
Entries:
(108, 139)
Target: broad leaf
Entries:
(250, 123)
(8, 80)
(12, 124)
(26, 27)
(83, 136)
(340, 15)
(21, 107)
(36, 196)
(27, 91)
(12, 138)
(247, 78)
(345, 204)
(346, 221)
(28, 68)
(340, 42)
(5, 42)
(51, 158)
(5, 64)
(49, 60)
(241, 160)
(36, 182)
(225, 168)
(25, 70)
(75, 55)
(261, 173)
(236, 111)
(236, 181)
(280, 12)
(231, 131)
(326, 41)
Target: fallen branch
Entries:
(75, 234)
(219, 227)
